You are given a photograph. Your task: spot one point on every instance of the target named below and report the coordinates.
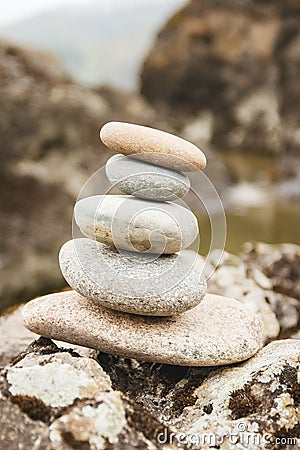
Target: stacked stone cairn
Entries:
(138, 286)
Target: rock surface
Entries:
(233, 67)
(136, 225)
(256, 403)
(231, 279)
(80, 410)
(280, 263)
(265, 278)
(15, 338)
(133, 283)
(146, 405)
(152, 145)
(144, 180)
(70, 379)
(218, 331)
(28, 434)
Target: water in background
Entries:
(255, 209)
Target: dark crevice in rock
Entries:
(289, 378)
(70, 440)
(142, 420)
(32, 407)
(36, 409)
(208, 409)
(160, 388)
(174, 373)
(285, 275)
(44, 346)
(254, 398)
(243, 403)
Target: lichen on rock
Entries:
(265, 278)
(57, 380)
(123, 403)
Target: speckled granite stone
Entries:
(144, 180)
(218, 331)
(136, 225)
(130, 282)
(155, 146)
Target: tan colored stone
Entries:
(216, 332)
(155, 146)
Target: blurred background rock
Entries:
(223, 74)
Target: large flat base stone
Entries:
(217, 331)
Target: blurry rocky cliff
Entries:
(49, 146)
(231, 69)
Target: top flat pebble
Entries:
(154, 146)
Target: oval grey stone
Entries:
(145, 180)
(130, 282)
(218, 331)
(136, 225)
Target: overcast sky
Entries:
(13, 10)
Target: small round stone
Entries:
(218, 331)
(130, 282)
(136, 225)
(154, 146)
(144, 180)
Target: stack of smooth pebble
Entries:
(138, 287)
